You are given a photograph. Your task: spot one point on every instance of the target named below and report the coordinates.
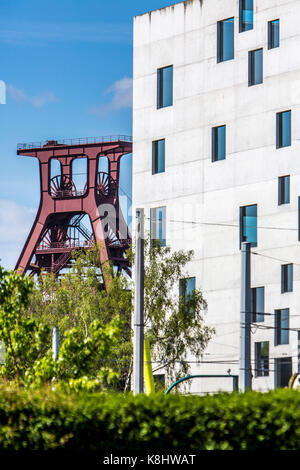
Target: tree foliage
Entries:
(82, 361)
(84, 312)
(174, 325)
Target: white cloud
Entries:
(121, 97)
(38, 100)
(15, 224)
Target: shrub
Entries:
(43, 419)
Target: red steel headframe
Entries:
(62, 206)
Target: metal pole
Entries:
(55, 343)
(245, 344)
(138, 352)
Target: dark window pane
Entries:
(283, 371)
(282, 326)
(285, 326)
(165, 87)
(246, 15)
(262, 359)
(218, 143)
(158, 156)
(186, 289)
(283, 129)
(286, 129)
(228, 39)
(287, 278)
(255, 67)
(225, 40)
(283, 190)
(258, 303)
(258, 69)
(286, 189)
(273, 31)
(249, 224)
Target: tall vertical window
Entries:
(225, 40)
(158, 156)
(186, 290)
(165, 87)
(283, 129)
(283, 371)
(248, 224)
(281, 326)
(273, 34)
(283, 190)
(246, 15)
(158, 224)
(218, 143)
(258, 304)
(262, 359)
(255, 67)
(286, 278)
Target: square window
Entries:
(248, 224)
(186, 290)
(158, 156)
(286, 278)
(283, 190)
(218, 143)
(283, 129)
(246, 15)
(225, 40)
(165, 87)
(262, 359)
(281, 326)
(257, 304)
(158, 224)
(273, 34)
(255, 67)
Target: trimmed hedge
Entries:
(43, 420)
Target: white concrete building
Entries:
(216, 128)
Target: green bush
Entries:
(43, 419)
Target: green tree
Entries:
(82, 361)
(78, 298)
(23, 340)
(174, 326)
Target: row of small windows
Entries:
(248, 217)
(218, 145)
(281, 317)
(225, 38)
(225, 51)
(258, 294)
(283, 136)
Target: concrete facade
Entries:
(207, 94)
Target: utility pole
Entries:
(138, 351)
(245, 335)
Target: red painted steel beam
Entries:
(59, 200)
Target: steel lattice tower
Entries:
(57, 229)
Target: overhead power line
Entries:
(221, 224)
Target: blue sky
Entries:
(67, 65)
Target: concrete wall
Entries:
(193, 188)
